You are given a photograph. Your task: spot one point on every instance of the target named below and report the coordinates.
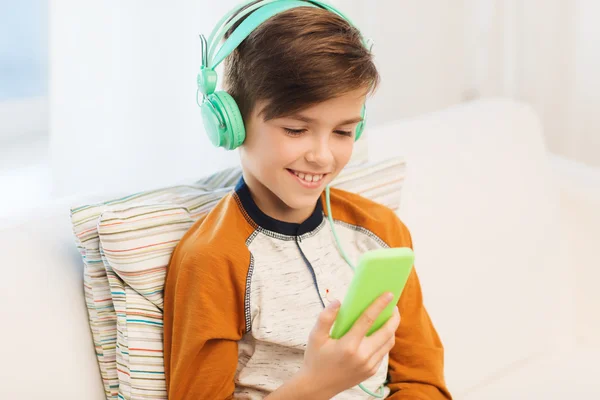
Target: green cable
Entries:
(337, 240)
(347, 259)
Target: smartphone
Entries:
(379, 271)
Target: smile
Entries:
(309, 180)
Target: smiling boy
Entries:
(248, 298)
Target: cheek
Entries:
(343, 153)
(289, 151)
(258, 142)
(272, 149)
(281, 150)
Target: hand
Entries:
(333, 366)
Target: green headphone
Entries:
(221, 116)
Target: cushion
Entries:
(98, 296)
(138, 241)
(136, 246)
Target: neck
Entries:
(271, 205)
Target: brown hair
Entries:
(298, 58)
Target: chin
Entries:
(301, 202)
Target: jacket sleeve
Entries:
(204, 318)
(416, 362)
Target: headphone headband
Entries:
(266, 9)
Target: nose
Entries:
(320, 152)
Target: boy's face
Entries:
(288, 161)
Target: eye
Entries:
(294, 132)
(343, 133)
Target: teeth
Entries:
(308, 177)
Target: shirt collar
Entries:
(272, 224)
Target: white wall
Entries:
(435, 53)
(585, 110)
(122, 94)
(419, 51)
(546, 53)
(22, 118)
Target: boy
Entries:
(251, 290)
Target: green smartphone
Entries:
(379, 271)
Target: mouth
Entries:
(309, 180)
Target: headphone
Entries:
(221, 115)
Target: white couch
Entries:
(504, 238)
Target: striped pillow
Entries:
(98, 296)
(136, 246)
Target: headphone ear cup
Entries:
(223, 121)
(235, 132)
(361, 126)
(211, 119)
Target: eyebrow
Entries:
(309, 120)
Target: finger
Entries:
(360, 328)
(384, 350)
(379, 339)
(388, 341)
(377, 358)
(326, 320)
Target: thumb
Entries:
(326, 320)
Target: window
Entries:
(23, 68)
